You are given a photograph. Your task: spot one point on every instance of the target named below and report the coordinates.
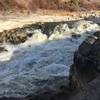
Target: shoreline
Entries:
(11, 22)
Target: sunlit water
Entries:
(41, 62)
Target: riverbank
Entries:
(14, 21)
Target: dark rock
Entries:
(85, 72)
(76, 36)
(2, 49)
(18, 38)
(12, 98)
(85, 47)
(14, 36)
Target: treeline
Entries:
(68, 5)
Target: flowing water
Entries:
(41, 62)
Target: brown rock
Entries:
(22, 5)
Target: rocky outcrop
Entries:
(20, 35)
(14, 36)
(85, 72)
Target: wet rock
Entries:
(75, 36)
(14, 36)
(18, 38)
(2, 49)
(85, 72)
(85, 47)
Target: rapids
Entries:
(41, 61)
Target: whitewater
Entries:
(41, 62)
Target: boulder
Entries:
(85, 71)
(13, 36)
(2, 49)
